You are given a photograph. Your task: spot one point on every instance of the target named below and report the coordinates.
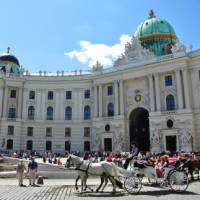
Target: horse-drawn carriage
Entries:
(174, 176)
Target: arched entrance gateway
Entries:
(139, 128)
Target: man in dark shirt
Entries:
(32, 170)
(134, 153)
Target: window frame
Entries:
(87, 94)
(68, 95)
(32, 94)
(49, 131)
(170, 103)
(50, 95)
(10, 130)
(110, 90)
(11, 94)
(29, 133)
(68, 133)
(168, 82)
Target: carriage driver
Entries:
(134, 153)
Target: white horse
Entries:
(106, 170)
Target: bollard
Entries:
(40, 180)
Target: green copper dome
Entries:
(157, 35)
(11, 60)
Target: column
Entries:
(116, 98)
(1, 100)
(179, 89)
(5, 101)
(19, 110)
(157, 83)
(121, 97)
(95, 102)
(151, 92)
(62, 107)
(43, 105)
(57, 101)
(186, 88)
(100, 100)
(38, 108)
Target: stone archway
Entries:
(139, 128)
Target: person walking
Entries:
(32, 170)
(20, 172)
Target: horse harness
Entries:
(83, 170)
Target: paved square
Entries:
(63, 192)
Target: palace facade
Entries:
(150, 96)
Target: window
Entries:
(9, 144)
(12, 112)
(86, 146)
(50, 95)
(110, 109)
(110, 90)
(48, 132)
(87, 114)
(68, 94)
(67, 146)
(87, 94)
(29, 131)
(68, 113)
(31, 112)
(170, 102)
(48, 145)
(49, 113)
(29, 145)
(13, 94)
(168, 80)
(87, 132)
(31, 94)
(10, 130)
(67, 132)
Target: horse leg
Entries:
(191, 174)
(112, 180)
(106, 182)
(76, 182)
(102, 180)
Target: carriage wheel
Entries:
(132, 184)
(178, 181)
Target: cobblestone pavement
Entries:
(63, 192)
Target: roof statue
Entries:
(97, 66)
(134, 52)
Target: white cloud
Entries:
(89, 53)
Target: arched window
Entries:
(48, 145)
(31, 112)
(86, 146)
(68, 113)
(29, 145)
(12, 112)
(110, 109)
(49, 113)
(9, 144)
(87, 113)
(170, 102)
(67, 146)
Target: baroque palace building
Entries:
(150, 96)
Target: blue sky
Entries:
(41, 33)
